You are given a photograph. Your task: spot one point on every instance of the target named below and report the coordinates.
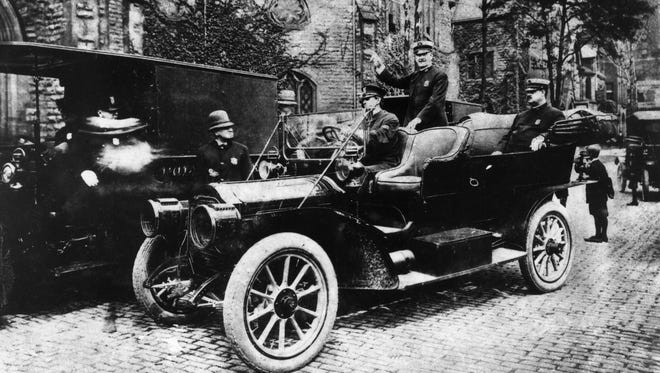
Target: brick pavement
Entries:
(606, 319)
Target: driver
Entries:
(382, 148)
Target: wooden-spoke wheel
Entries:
(281, 302)
(549, 248)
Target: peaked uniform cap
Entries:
(422, 45)
(286, 97)
(219, 119)
(372, 90)
(534, 84)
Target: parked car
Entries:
(272, 254)
(642, 159)
(54, 225)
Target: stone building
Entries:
(351, 27)
(342, 29)
(647, 59)
(508, 62)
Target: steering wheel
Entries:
(332, 134)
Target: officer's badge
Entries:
(234, 161)
(426, 83)
(537, 122)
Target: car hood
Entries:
(273, 193)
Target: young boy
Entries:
(597, 193)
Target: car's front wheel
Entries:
(281, 302)
(160, 282)
(549, 246)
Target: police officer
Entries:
(382, 149)
(427, 88)
(222, 159)
(597, 193)
(529, 130)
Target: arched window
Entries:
(305, 89)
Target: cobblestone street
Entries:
(606, 319)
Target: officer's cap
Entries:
(219, 119)
(286, 97)
(536, 84)
(593, 150)
(422, 46)
(372, 90)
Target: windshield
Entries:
(312, 136)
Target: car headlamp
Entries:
(162, 216)
(8, 173)
(204, 221)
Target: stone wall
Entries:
(331, 29)
(87, 24)
(505, 89)
(346, 28)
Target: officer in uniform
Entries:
(529, 130)
(597, 193)
(382, 148)
(222, 159)
(427, 88)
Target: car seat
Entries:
(487, 131)
(432, 143)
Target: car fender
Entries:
(358, 250)
(528, 201)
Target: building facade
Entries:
(339, 32)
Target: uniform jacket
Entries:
(427, 91)
(529, 124)
(382, 145)
(597, 192)
(231, 161)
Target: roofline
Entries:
(139, 57)
(492, 18)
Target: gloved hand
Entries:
(537, 143)
(90, 178)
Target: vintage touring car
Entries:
(51, 225)
(272, 253)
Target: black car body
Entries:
(50, 224)
(272, 253)
(642, 159)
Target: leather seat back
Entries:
(487, 131)
(433, 143)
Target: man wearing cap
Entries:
(222, 159)
(382, 150)
(427, 88)
(286, 102)
(530, 128)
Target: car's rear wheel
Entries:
(160, 281)
(646, 185)
(549, 248)
(620, 178)
(281, 302)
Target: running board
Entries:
(414, 278)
